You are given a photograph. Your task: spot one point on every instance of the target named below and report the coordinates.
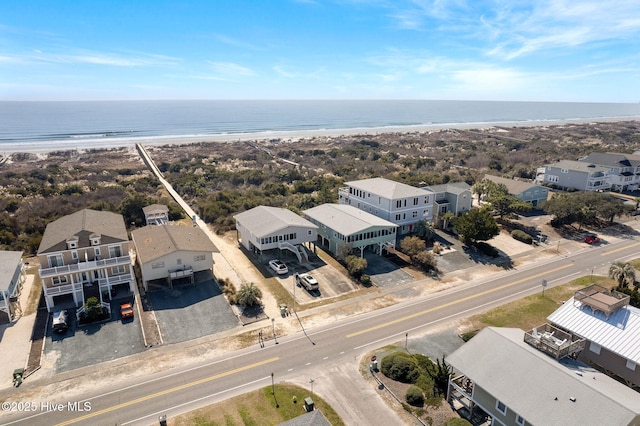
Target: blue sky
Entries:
(524, 50)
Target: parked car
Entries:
(60, 321)
(278, 266)
(306, 281)
(126, 310)
(591, 239)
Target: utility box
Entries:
(308, 404)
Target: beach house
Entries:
(401, 204)
(171, 254)
(84, 254)
(526, 191)
(12, 278)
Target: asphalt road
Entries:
(340, 343)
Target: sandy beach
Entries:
(42, 147)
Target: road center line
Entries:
(606, 253)
(455, 302)
(167, 391)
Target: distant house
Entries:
(343, 227)
(610, 326)
(12, 278)
(156, 214)
(84, 254)
(525, 191)
(499, 376)
(310, 418)
(401, 204)
(172, 254)
(623, 170)
(452, 197)
(578, 175)
(266, 228)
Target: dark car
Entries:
(60, 321)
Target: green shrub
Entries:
(414, 396)
(365, 279)
(401, 367)
(521, 236)
(487, 249)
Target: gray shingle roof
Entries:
(83, 223)
(153, 242)
(388, 188)
(451, 187)
(620, 333)
(515, 187)
(580, 166)
(345, 219)
(612, 159)
(9, 260)
(528, 381)
(312, 418)
(265, 220)
(155, 208)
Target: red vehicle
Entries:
(126, 310)
(591, 239)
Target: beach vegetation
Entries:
(476, 225)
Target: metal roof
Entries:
(264, 220)
(620, 333)
(346, 219)
(389, 189)
(156, 241)
(538, 387)
(9, 261)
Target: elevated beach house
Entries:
(156, 214)
(504, 376)
(526, 191)
(401, 204)
(577, 175)
(84, 254)
(453, 197)
(345, 229)
(263, 229)
(623, 170)
(12, 277)
(171, 254)
(609, 325)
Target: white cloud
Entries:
(230, 69)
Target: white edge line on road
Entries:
(155, 415)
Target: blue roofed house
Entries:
(525, 191)
(12, 277)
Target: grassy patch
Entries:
(533, 311)
(635, 263)
(258, 408)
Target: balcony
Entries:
(554, 342)
(56, 290)
(601, 299)
(84, 266)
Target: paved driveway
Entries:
(189, 312)
(384, 273)
(81, 346)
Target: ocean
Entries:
(44, 126)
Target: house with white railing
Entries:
(82, 255)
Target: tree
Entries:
(623, 273)
(411, 246)
(424, 229)
(564, 207)
(487, 188)
(476, 225)
(356, 265)
(505, 204)
(447, 218)
(249, 295)
(131, 209)
(440, 375)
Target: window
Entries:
(415, 201)
(59, 280)
(157, 265)
(564, 170)
(551, 178)
(414, 214)
(97, 251)
(397, 217)
(595, 348)
(74, 254)
(114, 251)
(501, 407)
(117, 270)
(631, 365)
(55, 260)
(199, 258)
(520, 420)
(399, 203)
(178, 261)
